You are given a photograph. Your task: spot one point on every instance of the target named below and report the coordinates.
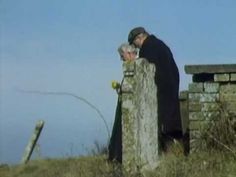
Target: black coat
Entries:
(167, 81)
(115, 144)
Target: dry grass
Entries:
(71, 167)
(220, 134)
(215, 158)
(210, 164)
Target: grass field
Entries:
(215, 157)
(204, 164)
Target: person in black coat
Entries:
(167, 81)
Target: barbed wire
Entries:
(74, 96)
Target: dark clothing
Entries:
(115, 145)
(167, 81)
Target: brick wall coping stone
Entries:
(211, 69)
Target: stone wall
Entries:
(213, 89)
(139, 117)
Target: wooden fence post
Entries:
(32, 142)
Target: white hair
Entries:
(125, 47)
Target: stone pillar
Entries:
(183, 98)
(139, 117)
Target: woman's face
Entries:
(128, 56)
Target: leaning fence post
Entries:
(32, 142)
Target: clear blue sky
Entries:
(71, 46)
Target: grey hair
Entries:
(126, 47)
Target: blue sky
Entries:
(71, 46)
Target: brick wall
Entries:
(213, 89)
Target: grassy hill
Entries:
(204, 164)
(215, 157)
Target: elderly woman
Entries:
(127, 53)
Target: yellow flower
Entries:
(115, 84)
(129, 61)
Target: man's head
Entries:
(137, 36)
(127, 52)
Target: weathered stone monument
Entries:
(139, 117)
(213, 86)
